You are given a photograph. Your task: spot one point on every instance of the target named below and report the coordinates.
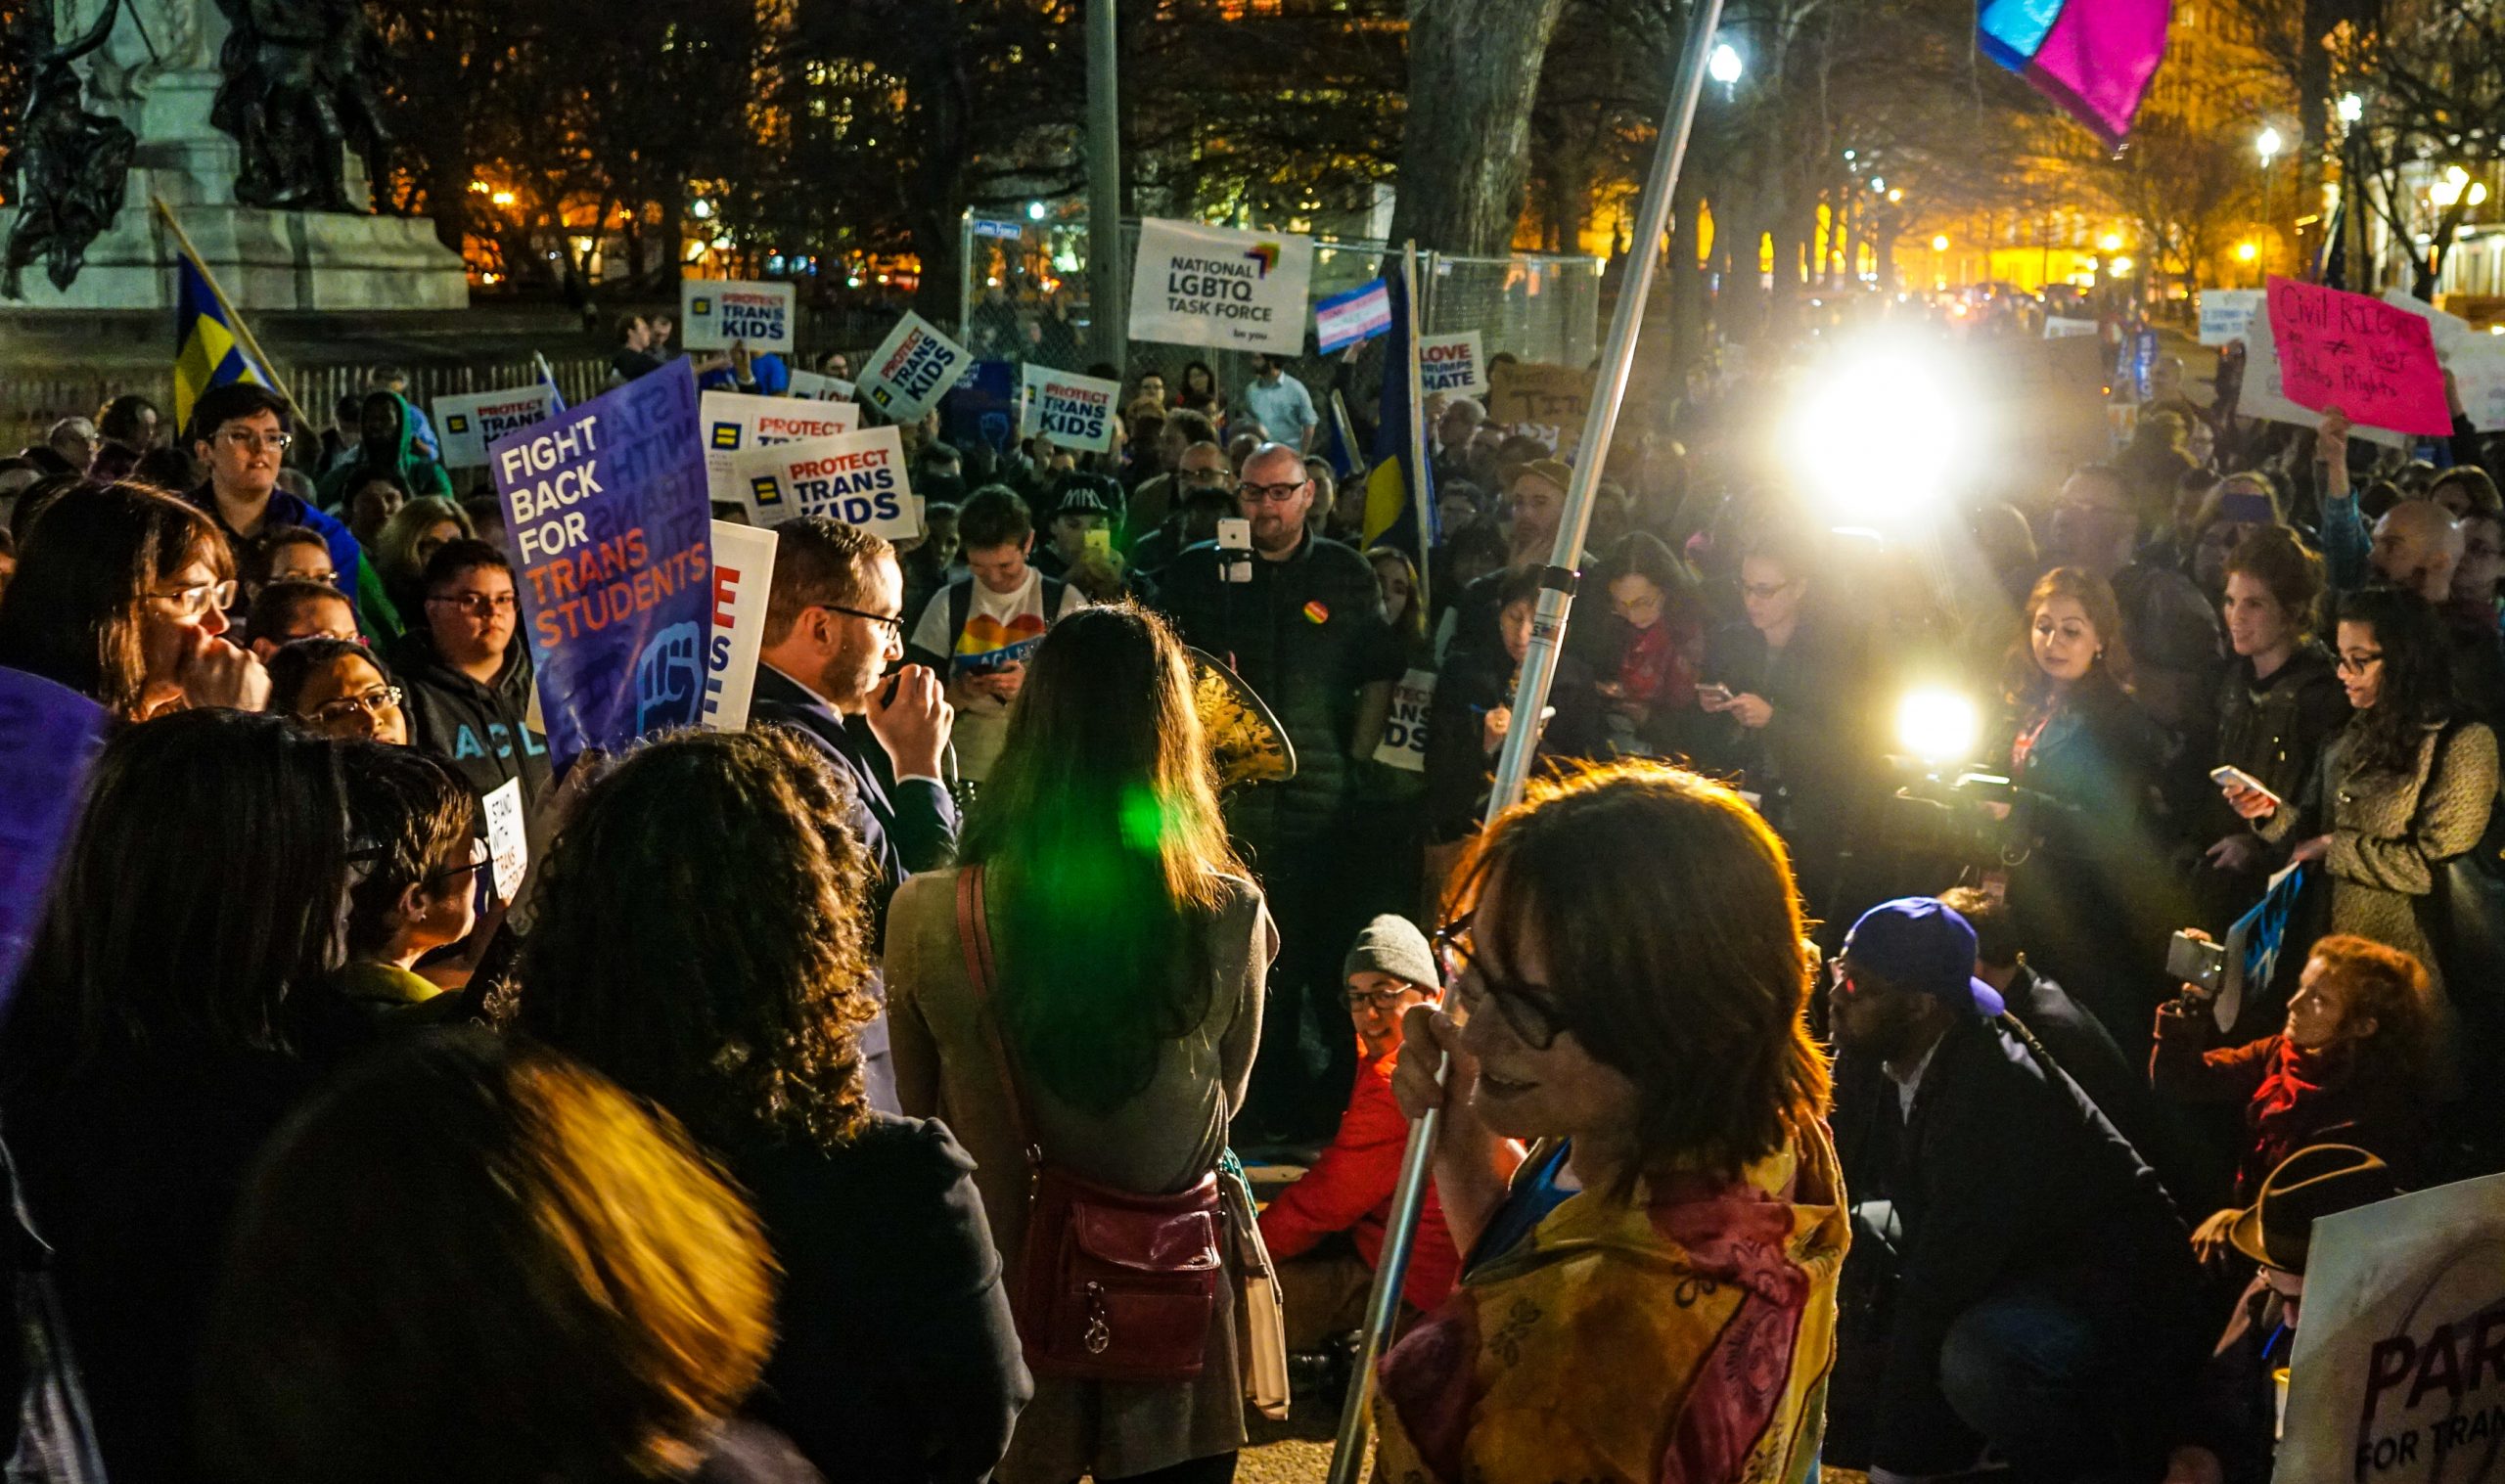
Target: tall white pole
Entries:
(1105, 279)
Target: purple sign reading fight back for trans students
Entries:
(49, 737)
(614, 539)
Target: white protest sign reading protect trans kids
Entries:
(467, 425)
(1405, 735)
(735, 423)
(1216, 286)
(855, 478)
(743, 579)
(2226, 314)
(1452, 363)
(810, 385)
(716, 313)
(1076, 412)
(912, 367)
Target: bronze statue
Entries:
(72, 166)
(297, 89)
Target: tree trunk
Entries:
(1473, 68)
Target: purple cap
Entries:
(1922, 944)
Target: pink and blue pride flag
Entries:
(1360, 314)
(2092, 57)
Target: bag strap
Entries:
(974, 935)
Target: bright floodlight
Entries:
(1880, 431)
(2268, 144)
(1724, 65)
(1938, 725)
(2351, 107)
(1940, 243)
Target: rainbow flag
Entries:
(2092, 57)
(206, 350)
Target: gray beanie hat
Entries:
(1393, 945)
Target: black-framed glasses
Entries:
(1529, 1011)
(372, 703)
(2357, 664)
(884, 620)
(1271, 494)
(1384, 1000)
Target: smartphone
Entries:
(1718, 692)
(2196, 962)
(2226, 775)
(1100, 541)
(1234, 535)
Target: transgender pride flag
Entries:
(1360, 314)
(2092, 57)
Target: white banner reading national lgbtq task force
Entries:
(1076, 412)
(1216, 286)
(911, 368)
(735, 423)
(467, 425)
(743, 579)
(1453, 363)
(855, 478)
(714, 312)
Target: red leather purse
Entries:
(1110, 1285)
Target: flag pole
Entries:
(1417, 414)
(1531, 694)
(234, 317)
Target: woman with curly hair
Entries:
(700, 938)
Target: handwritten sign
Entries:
(855, 478)
(507, 837)
(812, 386)
(469, 423)
(1548, 402)
(912, 367)
(49, 738)
(2374, 362)
(2263, 397)
(2475, 360)
(1452, 363)
(1076, 412)
(2226, 314)
(1215, 286)
(743, 579)
(1405, 735)
(606, 505)
(713, 313)
(735, 422)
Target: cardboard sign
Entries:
(742, 580)
(2226, 314)
(911, 368)
(1452, 363)
(508, 841)
(2057, 328)
(2263, 397)
(1404, 737)
(614, 545)
(811, 385)
(715, 313)
(467, 425)
(2374, 362)
(1547, 402)
(2398, 1373)
(855, 478)
(1076, 412)
(49, 738)
(735, 422)
(1215, 286)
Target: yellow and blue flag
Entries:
(1401, 499)
(207, 352)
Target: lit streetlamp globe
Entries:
(1724, 65)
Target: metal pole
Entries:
(1105, 186)
(1418, 449)
(1531, 694)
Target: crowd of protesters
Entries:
(859, 1096)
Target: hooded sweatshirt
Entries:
(482, 731)
(411, 466)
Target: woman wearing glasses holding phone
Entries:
(121, 595)
(1652, 1292)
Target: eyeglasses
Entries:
(1386, 999)
(893, 622)
(324, 575)
(479, 605)
(198, 598)
(1529, 1011)
(1761, 591)
(1271, 494)
(246, 440)
(372, 703)
(2357, 664)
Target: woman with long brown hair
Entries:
(1128, 958)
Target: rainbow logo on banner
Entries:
(2092, 57)
(1266, 255)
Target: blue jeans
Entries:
(2056, 1385)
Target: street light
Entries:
(2245, 253)
(2269, 145)
(2351, 107)
(1726, 66)
(1940, 243)
(1034, 210)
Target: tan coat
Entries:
(1161, 1142)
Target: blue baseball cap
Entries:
(1922, 944)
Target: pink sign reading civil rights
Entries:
(2375, 363)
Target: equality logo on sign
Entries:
(855, 478)
(727, 435)
(473, 421)
(911, 368)
(735, 423)
(719, 313)
(1215, 286)
(1076, 412)
(765, 493)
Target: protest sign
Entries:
(1215, 286)
(614, 539)
(2398, 1372)
(911, 368)
(855, 478)
(1345, 318)
(467, 425)
(508, 838)
(982, 410)
(743, 579)
(2262, 396)
(811, 386)
(49, 738)
(1452, 363)
(1547, 402)
(2226, 314)
(716, 312)
(1076, 412)
(2475, 360)
(2057, 328)
(1405, 735)
(735, 422)
(2377, 364)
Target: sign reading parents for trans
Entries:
(855, 478)
(1215, 286)
(615, 539)
(2375, 363)
(470, 423)
(735, 423)
(1452, 363)
(1076, 412)
(713, 313)
(911, 368)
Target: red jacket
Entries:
(1349, 1190)
(2292, 1098)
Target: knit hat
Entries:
(1393, 945)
